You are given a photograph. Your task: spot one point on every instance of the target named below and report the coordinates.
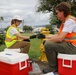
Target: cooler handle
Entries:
(64, 65)
(22, 67)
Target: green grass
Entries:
(34, 51)
(2, 47)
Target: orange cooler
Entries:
(13, 63)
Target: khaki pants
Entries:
(23, 45)
(52, 49)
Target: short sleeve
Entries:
(69, 26)
(13, 31)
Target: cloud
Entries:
(26, 9)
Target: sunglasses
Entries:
(56, 13)
(19, 20)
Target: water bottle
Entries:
(36, 68)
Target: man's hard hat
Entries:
(17, 17)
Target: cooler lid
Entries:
(67, 56)
(12, 57)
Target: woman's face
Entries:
(60, 15)
(18, 23)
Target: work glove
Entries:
(41, 36)
(33, 36)
(26, 40)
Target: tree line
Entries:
(46, 6)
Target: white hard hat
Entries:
(17, 17)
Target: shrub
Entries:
(2, 38)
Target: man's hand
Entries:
(33, 36)
(41, 36)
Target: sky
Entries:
(26, 9)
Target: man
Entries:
(14, 39)
(63, 42)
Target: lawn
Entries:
(34, 51)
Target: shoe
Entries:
(50, 73)
(47, 70)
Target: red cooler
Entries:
(66, 64)
(13, 63)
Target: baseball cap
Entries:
(17, 17)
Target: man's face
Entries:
(59, 15)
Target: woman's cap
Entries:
(17, 17)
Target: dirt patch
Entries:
(42, 65)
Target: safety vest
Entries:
(70, 37)
(10, 40)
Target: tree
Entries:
(55, 21)
(50, 28)
(27, 28)
(2, 39)
(2, 36)
(1, 19)
(30, 28)
(6, 28)
(49, 6)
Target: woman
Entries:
(14, 39)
